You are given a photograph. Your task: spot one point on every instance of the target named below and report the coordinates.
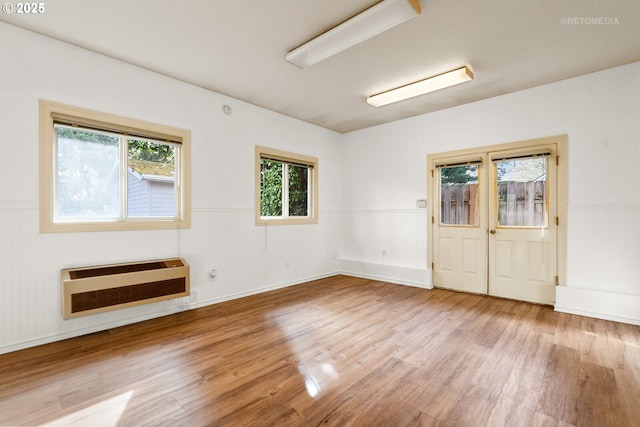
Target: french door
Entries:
(460, 257)
(494, 223)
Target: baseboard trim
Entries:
(598, 304)
(261, 290)
(584, 302)
(88, 330)
(408, 276)
(175, 307)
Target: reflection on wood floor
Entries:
(340, 351)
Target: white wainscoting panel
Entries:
(598, 304)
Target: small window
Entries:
(286, 187)
(103, 172)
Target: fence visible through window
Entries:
(520, 193)
(459, 195)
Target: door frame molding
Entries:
(561, 144)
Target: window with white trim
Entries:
(105, 172)
(286, 187)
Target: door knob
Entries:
(492, 231)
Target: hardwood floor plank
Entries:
(473, 408)
(599, 398)
(569, 332)
(339, 351)
(547, 321)
(445, 382)
(628, 385)
(516, 405)
(561, 390)
(360, 403)
(531, 364)
(542, 420)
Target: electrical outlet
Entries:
(213, 273)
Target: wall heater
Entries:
(89, 290)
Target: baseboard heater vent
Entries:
(89, 290)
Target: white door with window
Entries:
(494, 221)
(522, 231)
(460, 237)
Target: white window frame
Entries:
(52, 112)
(287, 158)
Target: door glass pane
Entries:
(521, 192)
(459, 195)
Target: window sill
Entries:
(72, 227)
(287, 221)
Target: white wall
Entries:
(249, 259)
(385, 172)
(369, 183)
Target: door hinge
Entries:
(557, 160)
(433, 266)
(431, 173)
(432, 219)
(557, 281)
(557, 221)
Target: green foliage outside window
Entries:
(457, 175)
(138, 149)
(272, 189)
(298, 190)
(152, 152)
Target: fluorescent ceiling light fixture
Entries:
(371, 22)
(421, 87)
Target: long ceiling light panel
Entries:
(371, 22)
(421, 87)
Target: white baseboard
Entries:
(172, 309)
(47, 339)
(256, 291)
(409, 276)
(601, 305)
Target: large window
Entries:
(104, 172)
(286, 187)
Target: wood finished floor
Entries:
(337, 352)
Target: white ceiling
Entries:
(237, 48)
